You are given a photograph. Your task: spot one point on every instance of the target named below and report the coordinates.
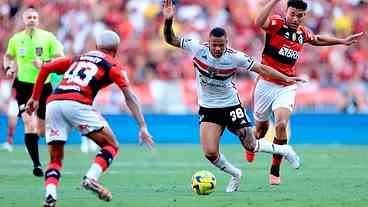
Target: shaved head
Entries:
(108, 40)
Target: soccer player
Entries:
(285, 37)
(8, 105)
(26, 52)
(215, 65)
(70, 106)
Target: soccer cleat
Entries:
(92, 185)
(234, 183)
(49, 201)
(84, 148)
(274, 180)
(7, 146)
(292, 157)
(37, 171)
(249, 155)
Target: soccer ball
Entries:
(203, 182)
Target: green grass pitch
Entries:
(330, 176)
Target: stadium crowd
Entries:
(164, 79)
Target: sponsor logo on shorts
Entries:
(54, 133)
(201, 117)
(83, 127)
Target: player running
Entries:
(70, 107)
(285, 38)
(219, 103)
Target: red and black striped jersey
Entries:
(282, 46)
(83, 76)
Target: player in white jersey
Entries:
(220, 106)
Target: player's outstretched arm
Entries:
(270, 72)
(133, 105)
(168, 12)
(261, 19)
(326, 40)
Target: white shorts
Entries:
(62, 116)
(269, 96)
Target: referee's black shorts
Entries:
(24, 93)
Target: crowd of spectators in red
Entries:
(335, 73)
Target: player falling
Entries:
(285, 37)
(215, 65)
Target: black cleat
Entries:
(37, 171)
(49, 201)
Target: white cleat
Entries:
(292, 157)
(234, 183)
(7, 146)
(94, 186)
(84, 148)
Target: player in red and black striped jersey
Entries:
(83, 76)
(285, 37)
(70, 107)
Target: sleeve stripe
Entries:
(251, 65)
(181, 42)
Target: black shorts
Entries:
(24, 93)
(233, 117)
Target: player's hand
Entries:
(296, 80)
(168, 10)
(37, 63)
(352, 39)
(32, 106)
(145, 137)
(11, 72)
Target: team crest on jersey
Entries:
(301, 39)
(211, 71)
(294, 36)
(39, 51)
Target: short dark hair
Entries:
(298, 4)
(218, 32)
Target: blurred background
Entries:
(163, 77)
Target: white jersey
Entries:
(215, 87)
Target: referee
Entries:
(27, 51)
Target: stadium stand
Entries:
(339, 75)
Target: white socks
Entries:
(94, 172)
(265, 146)
(226, 166)
(51, 190)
